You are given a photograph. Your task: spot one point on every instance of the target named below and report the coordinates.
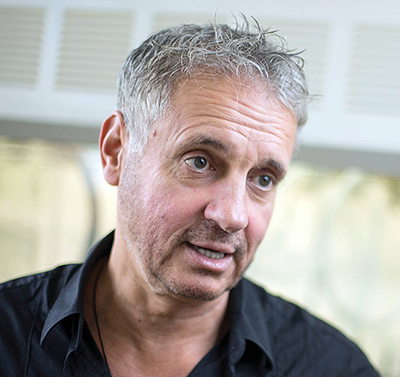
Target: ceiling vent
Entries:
(313, 38)
(94, 46)
(21, 38)
(164, 20)
(374, 75)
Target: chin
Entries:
(200, 291)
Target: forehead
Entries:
(240, 118)
(226, 95)
(247, 107)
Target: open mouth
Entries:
(208, 253)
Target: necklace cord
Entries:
(96, 316)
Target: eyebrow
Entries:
(199, 140)
(217, 144)
(276, 166)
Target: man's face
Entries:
(194, 207)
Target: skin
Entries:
(207, 179)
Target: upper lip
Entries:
(214, 247)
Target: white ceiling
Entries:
(59, 60)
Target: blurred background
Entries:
(334, 242)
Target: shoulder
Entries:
(22, 297)
(29, 288)
(300, 337)
(28, 296)
(24, 304)
(292, 318)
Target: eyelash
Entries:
(254, 179)
(271, 183)
(191, 163)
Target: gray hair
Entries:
(151, 71)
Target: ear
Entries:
(113, 145)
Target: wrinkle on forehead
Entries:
(251, 130)
(221, 104)
(234, 87)
(250, 100)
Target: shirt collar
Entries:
(70, 299)
(248, 313)
(249, 323)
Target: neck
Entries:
(142, 322)
(134, 310)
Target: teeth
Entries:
(210, 254)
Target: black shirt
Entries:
(43, 333)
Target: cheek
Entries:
(172, 208)
(259, 221)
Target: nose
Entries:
(227, 208)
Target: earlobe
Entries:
(113, 141)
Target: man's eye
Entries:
(197, 163)
(264, 182)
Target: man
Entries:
(205, 131)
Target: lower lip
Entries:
(214, 265)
